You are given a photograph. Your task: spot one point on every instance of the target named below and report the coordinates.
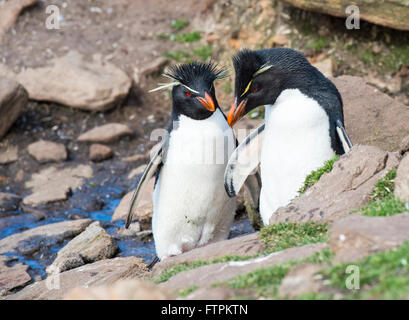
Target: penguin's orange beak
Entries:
(235, 113)
(207, 102)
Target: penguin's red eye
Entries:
(188, 94)
(255, 89)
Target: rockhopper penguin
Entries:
(191, 207)
(304, 123)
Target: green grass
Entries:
(382, 276)
(287, 235)
(184, 293)
(163, 36)
(179, 56)
(314, 176)
(318, 44)
(170, 272)
(203, 52)
(383, 201)
(179, 24)
(266, 281)
(276, 237)
(186, 37)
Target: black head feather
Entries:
(196, 73)
(246, 63)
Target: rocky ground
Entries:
(75, 126)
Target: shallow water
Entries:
(140, 247)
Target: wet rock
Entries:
(47, 151)
(21, 219)
(106, 133)
(325, 66)
(89, 85)
(91, 245)
(52, 184)
(144, 209)
(301, 280)
(8, 202)
(241, 246)
(402, 180)
(388, 13)
(404, 145)
(355, 237)
(347, 187)
(9, 12)
(30, 241)
(206, 275)
(8, 155)
(104, 272)
(13, 97)
(122, 290)
(12, 277)
(386, 119)
(99, 152)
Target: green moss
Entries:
(383, 201)
(382, 276)
(287, 235)
(264, 282)
(314, 176)
(170, 272)
(203, 52)
(179, 24)
(385, 186)
(257, 113)
(318, 44)
(186, 37)
(184, 293)
(163, 36)
(179, 56)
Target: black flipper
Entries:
(154, 261)
(243, 162)
(343, 136)
(150, 171)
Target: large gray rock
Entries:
(12, 277)
(47, 151)
(389, 13)
(52, 184)
(106, 133)
(347, 187)
(355, 237)
(13, 98)
(76, 82)
(134, 289)
(386, 120)
(213, 273)
(9, 12)
(30, 241)
(241, 246)
(89, 246)
(104, 272)
(402, 180)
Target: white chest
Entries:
(190, 203)
(296, 142)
